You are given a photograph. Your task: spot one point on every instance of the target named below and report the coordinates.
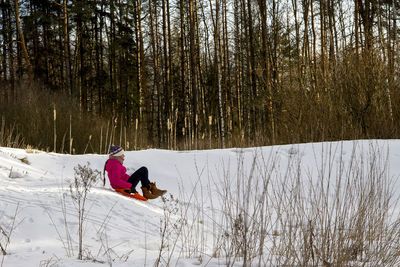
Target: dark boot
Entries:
(155, 191)
(147, 194)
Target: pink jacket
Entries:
(117, 174)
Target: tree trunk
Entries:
(218, 74)
(4, 37)
(276, 45)
(112, 55)
(67, 64)
(182, 68)
(156, 75)
(266, 70)
(97, 75)
(82, 65)
(170, 65)
(166, 73)
(297, 30)
(392, 74)
(356, 11)
(238, 64)
(201, 83)
(23, 44)
(314, 72)
(11, 94)
(305, 51)
(331, 13)
(322, 10)
(253, 83)
(140, 60)
(193, 70)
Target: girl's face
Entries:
(121, 158)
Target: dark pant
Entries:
(141, 175)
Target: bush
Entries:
(343, 211)
(84, 179)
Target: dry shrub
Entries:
(343, 216)
(357, 98)
(351, 102)
(29, 121)
(84, 179)
(344, 213)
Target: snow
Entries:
(119, 231)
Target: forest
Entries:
(77, 76)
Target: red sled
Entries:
(136, 195)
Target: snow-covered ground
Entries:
(36, 204)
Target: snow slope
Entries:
(127, 232)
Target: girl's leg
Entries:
(141, 175)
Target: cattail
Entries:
(136, 135)
(70, 134)
(55, 129)
(90, 138)
(101, 138)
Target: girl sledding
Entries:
(126, 184)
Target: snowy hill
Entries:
(212, 194)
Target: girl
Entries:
(119, 179)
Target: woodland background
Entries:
(77, 76)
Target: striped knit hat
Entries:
(116, 151)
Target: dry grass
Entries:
(352, 102)
(344, 214)
(6, 231)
